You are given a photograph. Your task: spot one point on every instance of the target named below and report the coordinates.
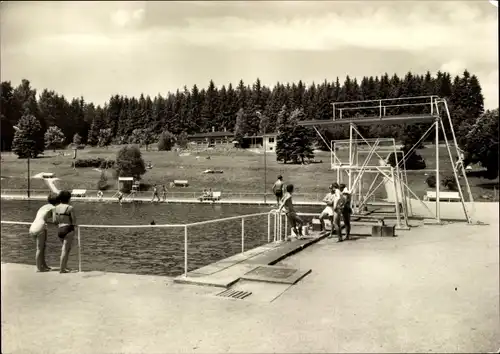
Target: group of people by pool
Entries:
(338, 208)
(57, 211)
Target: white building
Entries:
(265, 141)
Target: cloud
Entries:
(445, 35)
(454, 67)
(126, 18)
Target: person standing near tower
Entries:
(278, 188)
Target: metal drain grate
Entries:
(235, 294)
(272, 272)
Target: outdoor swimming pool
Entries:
(140, 251)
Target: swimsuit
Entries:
(39, 225)
(65, 229)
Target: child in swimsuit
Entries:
(38, 230)
(164, 193)
(64, 216)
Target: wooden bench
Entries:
(181, 183)
(78, 192)
(443, 196)
(214, 197)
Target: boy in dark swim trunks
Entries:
(64, 216)
(278, 189)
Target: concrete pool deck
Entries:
(432, 289)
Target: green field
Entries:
(243, 172)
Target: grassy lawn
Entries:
(243, 172)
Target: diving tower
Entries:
(432, 111)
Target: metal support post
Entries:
(185, 251)
(438, 211)
(242, 235)
(268, 227)
(350, 155)
(29, 179)
(462, 199)
(79, 249)
(398, 216)
(286, 227)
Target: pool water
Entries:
(140, 251)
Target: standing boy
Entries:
(155, 194)
(278, 189)
(164, 193)
(344, 209)
(291, 214)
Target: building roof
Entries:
(261, 135)
(211, 135)
(225, 134)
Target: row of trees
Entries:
(246, 110)
(198, 110)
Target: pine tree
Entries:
(241, 127)
(209, 110)
(8, 115)
(300, 138)
(283, 138)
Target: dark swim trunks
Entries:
(65, 230)
(279, 195)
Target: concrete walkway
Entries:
(431, 289)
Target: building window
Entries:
(271, 140)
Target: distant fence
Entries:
(191, 196)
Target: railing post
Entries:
(79, 249)
(286, 227)
(269, 228)
(380, 108)
(185, 251)
(242, 235)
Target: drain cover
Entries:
(272, 272)
(234, 294)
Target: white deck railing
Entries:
(274, 229)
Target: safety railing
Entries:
(385, 107)
(275, 231)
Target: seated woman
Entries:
(64, 216)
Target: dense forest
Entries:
(198, 110)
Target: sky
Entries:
(98, 49)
